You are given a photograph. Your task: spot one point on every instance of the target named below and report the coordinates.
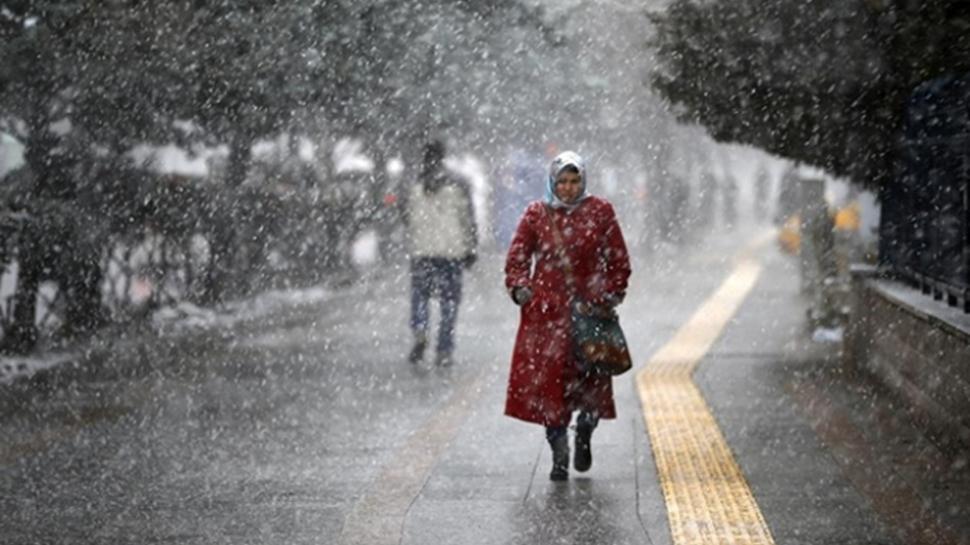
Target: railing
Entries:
(955, 296)
(925, 230)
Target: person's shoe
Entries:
(444, 359)
(417, 351)
(583, 459)
(560, 458)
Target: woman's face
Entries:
(569, 185)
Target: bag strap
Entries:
(567, 266)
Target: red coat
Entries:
(544, 384)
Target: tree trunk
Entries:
(324, 228)
(240, 152)
(82, 282)
(223, 217)
(22, 336)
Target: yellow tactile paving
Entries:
(708, 499)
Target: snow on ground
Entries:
(11, 154)
(176, 320)
(186, 317)
(828, 335)
(13, 368)
(925, 304)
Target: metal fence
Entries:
(279, 239)
(925, 231)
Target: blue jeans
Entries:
(441, 276)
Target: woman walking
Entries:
(570, 230)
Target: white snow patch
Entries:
(828, 335)
(348, 156)
(186, 317)
(925, 304)
(182, 318)
(171, 159)
(364, 251)
(12, 368)
(11, 154)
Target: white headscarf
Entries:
(562, 161)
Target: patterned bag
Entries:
(599, 345)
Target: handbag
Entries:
(599, 345)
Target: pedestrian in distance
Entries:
(546, 385)
(442, 237)
(762, 184)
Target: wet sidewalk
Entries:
(312, 428)
(490, 483)
(774, 395)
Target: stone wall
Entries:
(917, 347)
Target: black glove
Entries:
(521, 295)
(613, 299)
(603, 308)
(469, 260)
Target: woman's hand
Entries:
(612, 299)
(521, 295)
(601, 309)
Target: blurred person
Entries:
(789, 195)
(706, 199)
(762, 185)
(545, 383)
(443, 239)
(729, 201)
(679, 210)
(513, 192)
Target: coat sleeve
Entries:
(470, 225)
(616, 261)
(518, 263)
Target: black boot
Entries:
(584, 451)
(444, 359)
(560, 457)
(417, 351)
